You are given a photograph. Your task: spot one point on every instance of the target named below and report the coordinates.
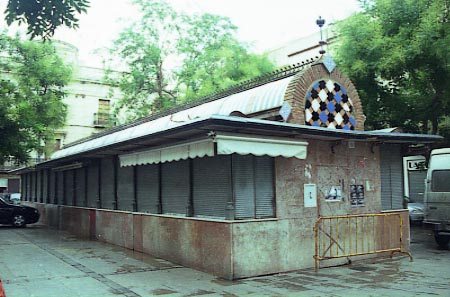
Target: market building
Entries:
(241, 183)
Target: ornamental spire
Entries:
(320, 22)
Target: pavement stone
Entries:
(37, 261)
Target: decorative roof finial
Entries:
(320, 22)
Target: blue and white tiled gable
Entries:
(328, 105)
(322, 96)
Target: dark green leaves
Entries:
(31, 80)
(397, 53)
(44, 16)
(174, 57)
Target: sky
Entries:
(266, 24)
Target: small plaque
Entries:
(285, 111)
(310, 195)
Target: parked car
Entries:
(13, 198)
(17, 215)
(416, 212)
(437, 196)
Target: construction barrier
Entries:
(356, 235)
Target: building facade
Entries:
(234, 185)
(89, 102)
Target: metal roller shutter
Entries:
(125, 188)
(211, 185)
(60, 187)
(29, 187)
(107, 185)
(244, 186)
(45, 186)
(92, 185)
(51, 187)
(32, 186)
(23, 183)
(175, 186)
(68, 191)
(38, 186)
(80, 187)
(416, 180)
(147, 188)
(264, 187)
(391, 177)
(22, 186)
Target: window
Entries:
(440, 181)
(101, 118)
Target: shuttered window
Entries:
(125, 188)
(23, 186)
(45, 186)
(92, 184)
(68, 192)
(107, 184)
(59, 187)
(38, 186)
(264, 187)
(253, 183)
(244, 186)
(51, 187)
(147, 188)
(33, 186)
(211, 185)
(80, 187)
(416, 181)
(175, 187)
(391, 177)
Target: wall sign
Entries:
(310, 195)
(419, 164)
(356, 195)
(334, 194)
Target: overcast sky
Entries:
(267, 24)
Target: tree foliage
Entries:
(42, 17)
(397, 53)
(173, 57)
(31, 80)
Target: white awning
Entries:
(218, 145)
(273, 147)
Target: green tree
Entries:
(396, 52)
(174, 57)
(42, 17)
(213, 58)
(31, 80)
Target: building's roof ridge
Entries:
(275, 75)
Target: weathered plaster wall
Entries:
(204, 245)
(75, 220)
(288, 243)
(115, 227)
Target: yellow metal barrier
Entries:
(355, 235)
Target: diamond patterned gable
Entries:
(328, 105)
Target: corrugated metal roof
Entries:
(219, 123)
(264, 97)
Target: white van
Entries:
(437, 196)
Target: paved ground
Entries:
(40, 262)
